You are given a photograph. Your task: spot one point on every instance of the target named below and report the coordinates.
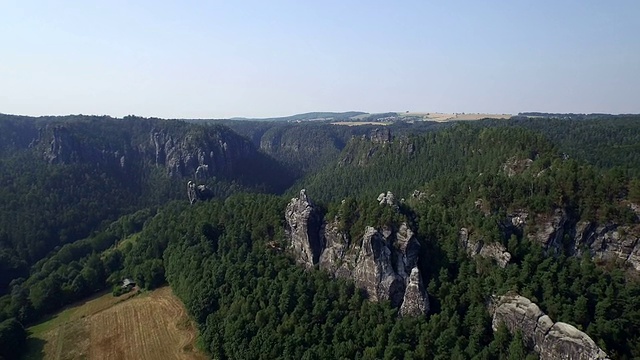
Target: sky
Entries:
(219, 59)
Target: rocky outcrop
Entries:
(204, 154)
(387, 199)
(374, 271)
(514, 166)
(202, 172)
(62, 146)
(304, 223)
(415, 301)
(381, 264)
(550, 340)
(184, 150)
(198, 192)
(383, 261)
(609, 242)
(360, 151)
(548, 231)
(380, 136)
(59, 145)
(495, 251)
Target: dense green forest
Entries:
(227, 259)
(603, 141)
(63, 179)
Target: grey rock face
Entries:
(374, 272)
(190, 154)
(419, 195)
(380, 136)
(387, 199)
(415, 302)
(550, 340)
(514, 166)
(339, 254)
(609, 242)
(202, 172)
(549, 231)
(60, 146)
(383, 262)
(304, 223)
(518, 218)
(198, 192)
(198, 151)
(495, 251)
(367, 147)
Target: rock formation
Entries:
(602, 241)
(184, 150)
(380, 136)
(550, 340)
(202, 172)
(609, 242)
(383, 262)
(495, 251)
(549, 230)
(62, 146)
(415, 302)
(387, 199)
(198, 192)
(185, 155)
(59, 145)
(514, 166)
(360, 151)
(304, 222)
(373, 269)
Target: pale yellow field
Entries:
(357, 123)
(430, 116)
(457, 116)
(150, 326)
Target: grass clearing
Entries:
(146, 325)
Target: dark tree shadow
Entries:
(34, 349)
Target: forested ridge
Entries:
(228, 259)
(600, 140)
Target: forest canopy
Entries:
(71, 228)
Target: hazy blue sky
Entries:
(264, 58)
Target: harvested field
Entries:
(443, 117)
(358, 123)
(150, 326)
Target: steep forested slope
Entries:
(304, 147)
(604, 141)
(382, 161)
(308, 147)
(63, 178)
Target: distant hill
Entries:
(566, 116)
(311, 116)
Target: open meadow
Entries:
(149, 325)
